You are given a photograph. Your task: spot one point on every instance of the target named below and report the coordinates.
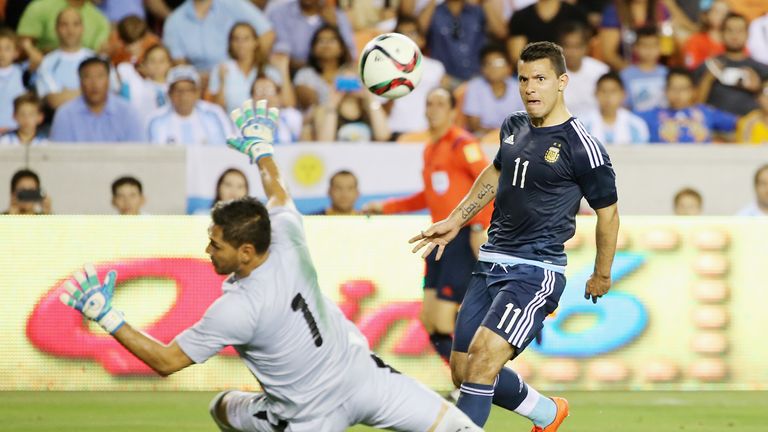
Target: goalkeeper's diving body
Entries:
(314, 366)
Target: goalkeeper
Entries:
(313, 364)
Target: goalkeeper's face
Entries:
(225, 258)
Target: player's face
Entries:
(688, 205)
(539, 86)
(128, 200)
(94, 83)
(680, 92)
(735, 34)
(70, 28)
(223, 256)
(610, 96)
(184, 96)
(761, 189)
(439, 111)
(344, 193)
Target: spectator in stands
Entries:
(28, 114)
(144, 85)
(343, 193)
(760, 206)
(685, 121)
(707, 42)
(541, 21)
(328, 58)
(688, 202)
(644, 79)
(38, 27)
(583, 70)
(188, 120)
(232, 185)
(11, 78)
(493, 95)
(233, 78)
(95, 115)
(757, 41)
(351, 115)
(130, 40)
(297, 23)
(611, 123)
(731, 81)
(455, 33)
(290, 126)
(128, 196)
(196, 32)
(117, 10)
(406, 114)
(57, 78)
(365, 15)
(27, 196)
(753, 127)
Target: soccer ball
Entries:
(390, 65)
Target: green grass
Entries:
(187, 411)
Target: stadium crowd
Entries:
(167, 71)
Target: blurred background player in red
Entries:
(452, 160)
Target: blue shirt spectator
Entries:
(11, 86)
(295, 22)
(645, 89)
(203, 42)
(115, 10)
(694, 124)
(457, 40)
(118, 121)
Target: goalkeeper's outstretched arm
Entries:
(277, 195)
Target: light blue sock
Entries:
(541, 410)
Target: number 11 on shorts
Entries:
(515, 313)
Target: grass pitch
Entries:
(188, 411)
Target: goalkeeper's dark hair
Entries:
(245, 220)
(545, 50)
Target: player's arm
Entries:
(441, 233)
(257, 125)
(93, 299)
(606, 233)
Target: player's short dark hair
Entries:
(451, 96)
(545, 50)
(687, 192)
(22, 174)
(759, 171)
(611, 76)
(27, 98)
(678, 71)
(126, 180)
(341, 173)
(647, 31)
(733, 15)
(244, 220)
(570, 27)
(493, 48)
(95, 60)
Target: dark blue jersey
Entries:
(545, 172)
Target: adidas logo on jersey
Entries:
(510, 140)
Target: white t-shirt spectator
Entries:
(144, 94)
(580, 92)
(58, 71)
(479, 101)
(409, 112)
(628, 128)
(207, 125)
(757, 44)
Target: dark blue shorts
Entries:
(511, 300)
(450, 276)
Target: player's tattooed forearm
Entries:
(486, 189)
(469, 210)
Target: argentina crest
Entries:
(553, 153)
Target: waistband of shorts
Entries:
(497, 258)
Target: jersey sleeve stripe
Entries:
(524, 325)
(595, 147)
(586, 146)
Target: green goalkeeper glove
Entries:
(93, 299)
(257, 126)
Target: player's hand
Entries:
(597, 286)
(93, 299)
(258, 126)
(436, 236)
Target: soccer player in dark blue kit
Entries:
(545, 164)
